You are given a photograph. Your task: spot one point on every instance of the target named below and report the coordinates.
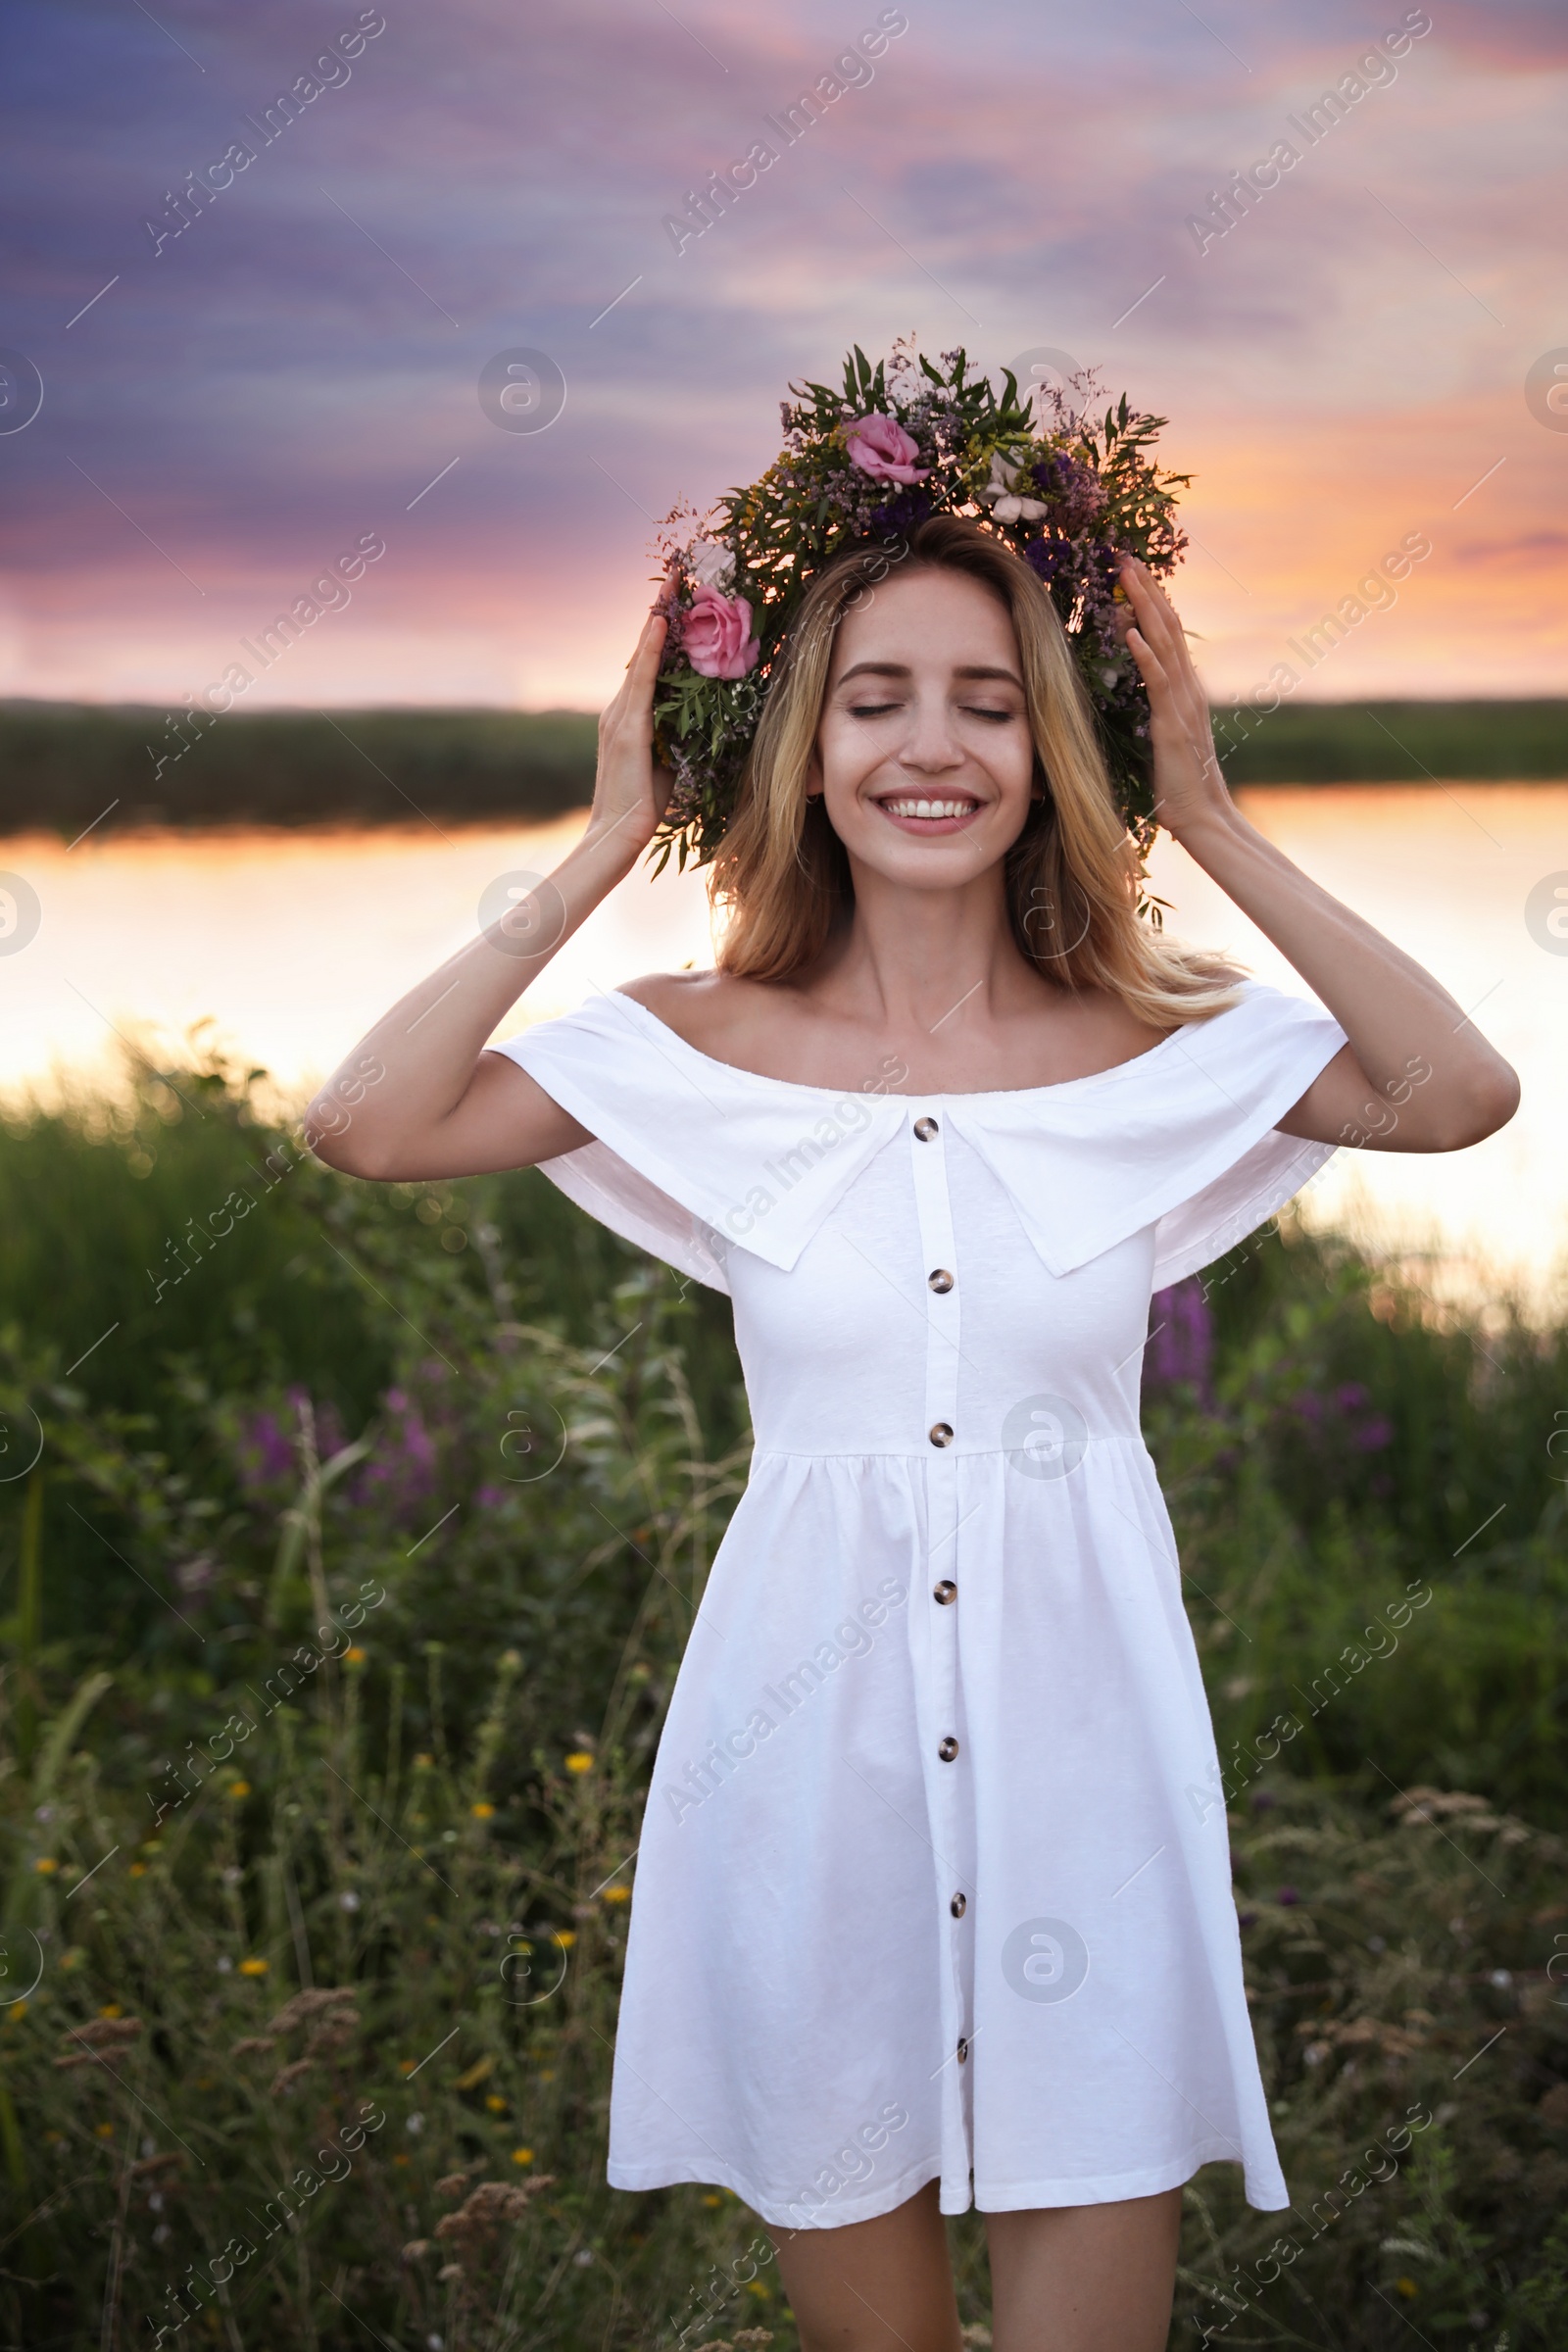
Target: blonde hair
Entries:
(781, 874)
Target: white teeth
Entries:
(930, 808)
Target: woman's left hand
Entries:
(1188, 785)
(1416, 1075)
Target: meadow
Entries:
(349, 1539)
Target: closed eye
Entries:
(872, 710)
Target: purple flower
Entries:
(902, 515)
(265, 1454)
(1350, 1397)
(1247, 1919)
(403, 1472)
(1374, 1432)
(1287, 1895)
(1049, 558)
(1181, 1344)
(1263, 1801)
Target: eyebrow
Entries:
(900, 670)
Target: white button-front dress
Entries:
(934, 1879)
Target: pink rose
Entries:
(716, 635)
(881, 448)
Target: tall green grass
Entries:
(340, 1609)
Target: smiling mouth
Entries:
(924, 808)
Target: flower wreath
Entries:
(900, 442)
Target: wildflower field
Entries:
(349, 1539)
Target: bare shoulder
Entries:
(1093, 1030)
(708, 1010)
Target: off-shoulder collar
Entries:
(694, 1157)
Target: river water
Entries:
(292, 943)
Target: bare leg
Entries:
(1085, 2277)
(874, 2286)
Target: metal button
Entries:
(945, 1592)
(959, 1905)
(963, 2051)
(925, 1129)
(940, 1433)
(941, 1280)
(948, 1749)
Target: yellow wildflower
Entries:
(579, 1760)
(495, 2102)
(618, 1894)
(238, 1788)
(354, 1655)
(105, 2130)
(253, 1968)
(111, 2009)
(1405, 2287)
(566, 1936)
(138, 1870)
(523, 2155)
(16, 2010)
(45, 1865)
(482, 1811)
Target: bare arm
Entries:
(1417, 1075)
(418, 1097)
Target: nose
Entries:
(931, 747)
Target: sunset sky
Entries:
(297, 371)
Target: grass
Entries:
(341, 1606)
(66, 764)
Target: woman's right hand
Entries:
(438, 1103)
(630, 791)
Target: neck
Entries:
(912, 957)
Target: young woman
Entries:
(933, 1899)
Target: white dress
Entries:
(934, 1879)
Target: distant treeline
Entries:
(64, 765)
(1392, 743)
